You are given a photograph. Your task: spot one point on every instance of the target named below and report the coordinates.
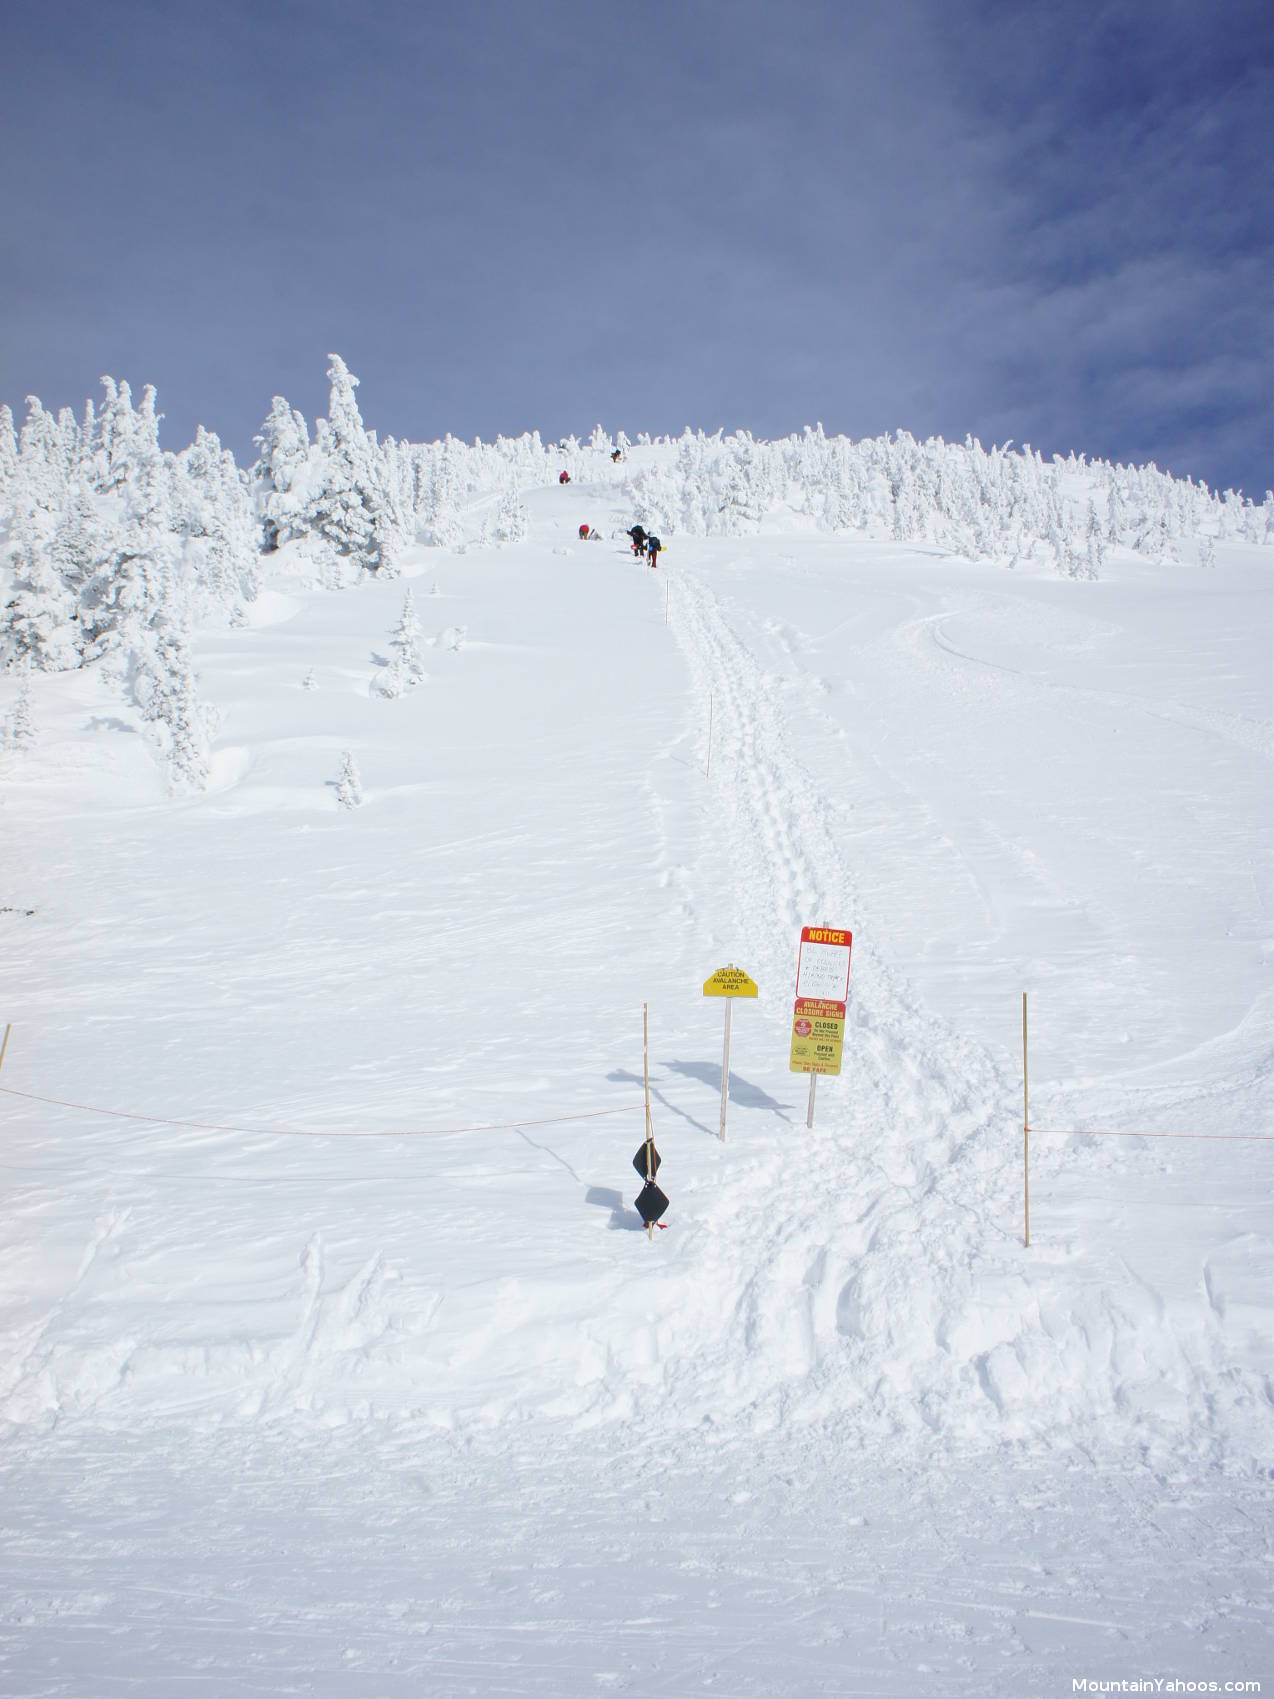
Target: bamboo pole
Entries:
(809, 1118)
(645, 1070)
(3, 1047)
(1026, 1135)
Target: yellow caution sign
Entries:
(818, 1036)
(730, 982)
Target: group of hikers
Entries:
(645, 544)
(642, 541)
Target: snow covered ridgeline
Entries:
(114, 548)
(1002, 505)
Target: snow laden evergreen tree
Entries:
(8, 459)
(400, 481)
(20, 730)
(136, 572)
(113, 451)
(741, 505)
(510, 520)
(1096, 549)
(41, 614)
(40, 620)
(213, 515)
(406, 667)
(441, 527)
(349, 789)
(43, 473)
(166, 693)
(345, 503)
(279, 476)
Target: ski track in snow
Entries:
(878, 1271)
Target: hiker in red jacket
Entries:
(563, 477)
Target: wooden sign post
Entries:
(822, 992)
(728, 982)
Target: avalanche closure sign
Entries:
(822, 991)
(818, 1036)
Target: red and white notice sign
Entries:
(822, 964)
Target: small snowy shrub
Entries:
(349, 789)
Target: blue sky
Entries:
(1028, 221)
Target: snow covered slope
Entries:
(376, 1072)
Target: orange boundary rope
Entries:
(312, 1133)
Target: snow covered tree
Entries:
(112, 452)
(44, 469)
(349, 789)
(8, 458)
(40, 617)
(442, 523)
(165, 690)
(135, 574)
(406, 643)
(20, 731)
(1096, 553)
(510, 523)
(213, 514)
(405, 668)
(279, 474)
(345, 503)
(740, 505)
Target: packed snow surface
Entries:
(336, 1359)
